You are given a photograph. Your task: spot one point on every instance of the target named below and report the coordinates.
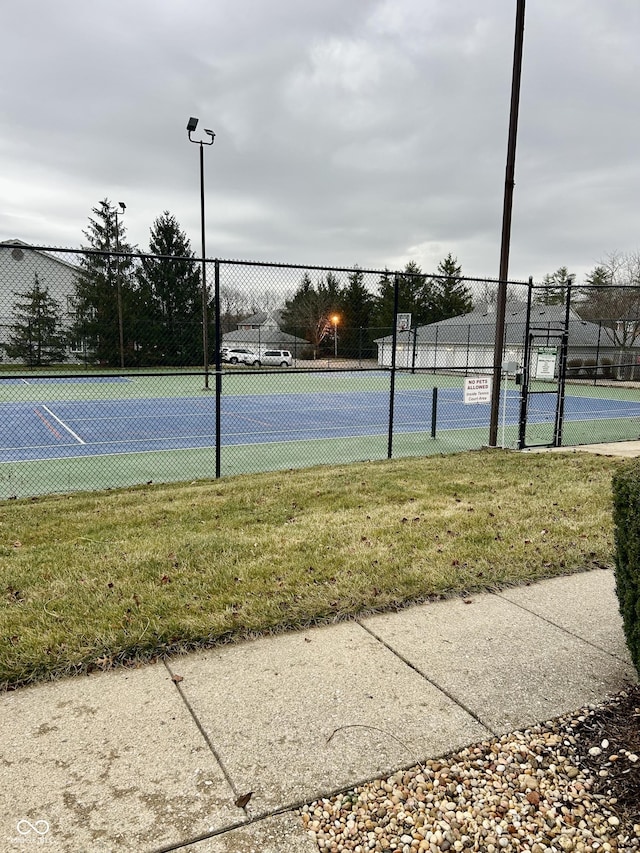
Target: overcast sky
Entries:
(369, 132)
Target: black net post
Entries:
(392, 383)
(434, 412)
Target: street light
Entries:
(191, 126)
(335, 320)
(120, 212)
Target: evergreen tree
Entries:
(452, 297)
(330, 288)
(36, 337)
(415, 297)
(383, 304)
(171, 292)
(356, 308)
(554, 287)
(598, 277)
(105, 300)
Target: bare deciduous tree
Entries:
(612, 296)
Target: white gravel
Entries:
(528, 791)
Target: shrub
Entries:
(607, 364)
(573, 366)
(626, 517)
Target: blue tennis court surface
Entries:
(65, 429)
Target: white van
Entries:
(277, 357)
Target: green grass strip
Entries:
(95, 580)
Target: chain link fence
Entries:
(121, 368)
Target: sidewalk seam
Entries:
(202, 731)
(561, 628)
(431, 681)
(180, 845)
(281, 810)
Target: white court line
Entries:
(63, 425)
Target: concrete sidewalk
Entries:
(154, 759)
(627, 449)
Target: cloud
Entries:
(371, 132)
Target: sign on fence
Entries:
(477, 389)
(546, 362)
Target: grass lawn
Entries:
(95, 580)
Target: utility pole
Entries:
(509, 184)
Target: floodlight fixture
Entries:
(191, 126)
(123, 206)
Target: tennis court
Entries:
(50, 426)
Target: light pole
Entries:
(191, 126)
(509, 184)
(120, 212)
(334, 320)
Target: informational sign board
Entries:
(477, 389)
(546, 362)
(404, 322)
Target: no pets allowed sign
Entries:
(477, 389)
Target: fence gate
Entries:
(543, 377)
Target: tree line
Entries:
(319, 311)
(131, 309)
(125, 311)
(160, 297)
(148, 310)
(610, 295)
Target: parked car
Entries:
(236, 355)
(279, 357)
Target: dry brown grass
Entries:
(93, 580)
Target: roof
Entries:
(478, 327)
(262, 317)
(52, 256)
(263, 337)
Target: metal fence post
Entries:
(218, 364)
(562, 371)
(434, 412)
(595, 375)
(524, 388)
(415, 348)
(392, 383)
